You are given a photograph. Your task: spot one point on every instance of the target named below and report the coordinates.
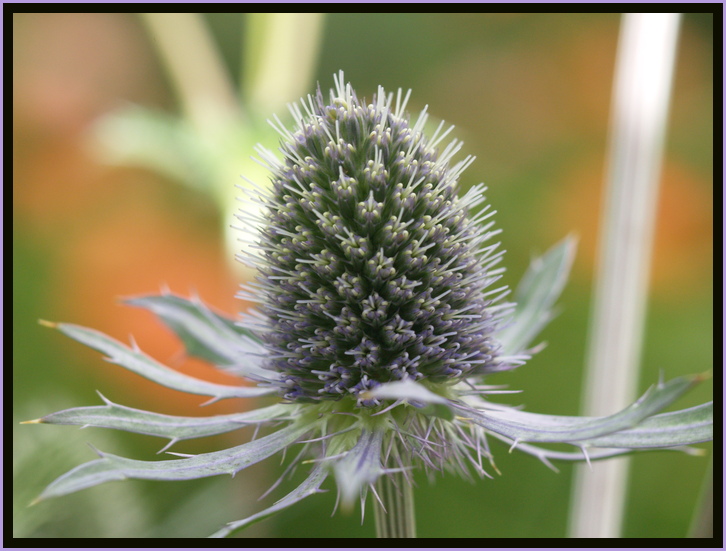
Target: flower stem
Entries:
(280, 53)
(197, 74)
(394, 513)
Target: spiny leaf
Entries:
(536, 294)
(208, 335)
(138, 362)
(116, 416)
(588, 454)
(310, 486)
(230, 461)
(533, 427)
(405, 390)
(678, 428)
(360, 467)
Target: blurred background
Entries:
(97, 216)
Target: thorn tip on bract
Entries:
(95, 449)
(700, 377)
(46, 323)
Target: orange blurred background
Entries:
(529, 94)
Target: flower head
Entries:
(377, 322)
(371, 268)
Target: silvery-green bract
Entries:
(378, 321)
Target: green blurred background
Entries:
(529, 95)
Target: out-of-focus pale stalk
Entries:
(280, 52)
(199, 79)
(644, 68)
(279, 55)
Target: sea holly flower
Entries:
(379, 319)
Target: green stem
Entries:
(395, 515)
(198, 76)
(280, 52)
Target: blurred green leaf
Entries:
(139, 136)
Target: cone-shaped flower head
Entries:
(373, 268)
